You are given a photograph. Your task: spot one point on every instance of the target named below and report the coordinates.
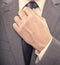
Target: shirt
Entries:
(39, 11)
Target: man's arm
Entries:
(41, 54)
(52, 54)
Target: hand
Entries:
(32, 28)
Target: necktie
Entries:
(27, 49)
(32, 4)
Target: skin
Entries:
(32, 28)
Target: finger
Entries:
(18, 21)
(22, 14)
(28, 11)
(34, 10)
(16, 28)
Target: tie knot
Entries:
(32, 4)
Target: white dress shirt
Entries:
(39, 11)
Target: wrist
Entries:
(40, 47)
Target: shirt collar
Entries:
(40, 3)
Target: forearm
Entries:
(52, 54)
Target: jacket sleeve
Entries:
(52, 54)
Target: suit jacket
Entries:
(10, 43)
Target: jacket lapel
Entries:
(56, 1)
(11, 10)
(51, 15)
(33, 58)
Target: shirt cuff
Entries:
(40, 55)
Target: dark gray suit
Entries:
(10, 43)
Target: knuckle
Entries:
(25, 8)
(43, 19)
(15, 17)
